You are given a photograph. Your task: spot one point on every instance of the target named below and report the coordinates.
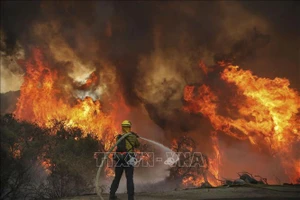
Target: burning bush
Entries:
(37, 164)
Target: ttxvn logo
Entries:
(148, 159)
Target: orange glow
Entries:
(266, 112)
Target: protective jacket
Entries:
(131, 142)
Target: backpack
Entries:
(122, 154)
(121, 147)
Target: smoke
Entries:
(184, 34)
(141, 40)
(11, 72)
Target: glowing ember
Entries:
(268, 113)
(46, 164)
(16, 153)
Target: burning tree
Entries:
(192, 167)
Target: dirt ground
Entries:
(221, 193)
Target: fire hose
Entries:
(99, 192)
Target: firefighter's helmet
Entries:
(126, 123)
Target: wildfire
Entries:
(267, 113)
(264, 111)
(44, 99)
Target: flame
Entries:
(192, 181)
(43, 100)
(268, 113)
(215, 162)
(91, 81)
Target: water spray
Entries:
(158, 144)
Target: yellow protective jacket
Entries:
(132, 142)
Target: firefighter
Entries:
(125, 151)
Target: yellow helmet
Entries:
(126, 123)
